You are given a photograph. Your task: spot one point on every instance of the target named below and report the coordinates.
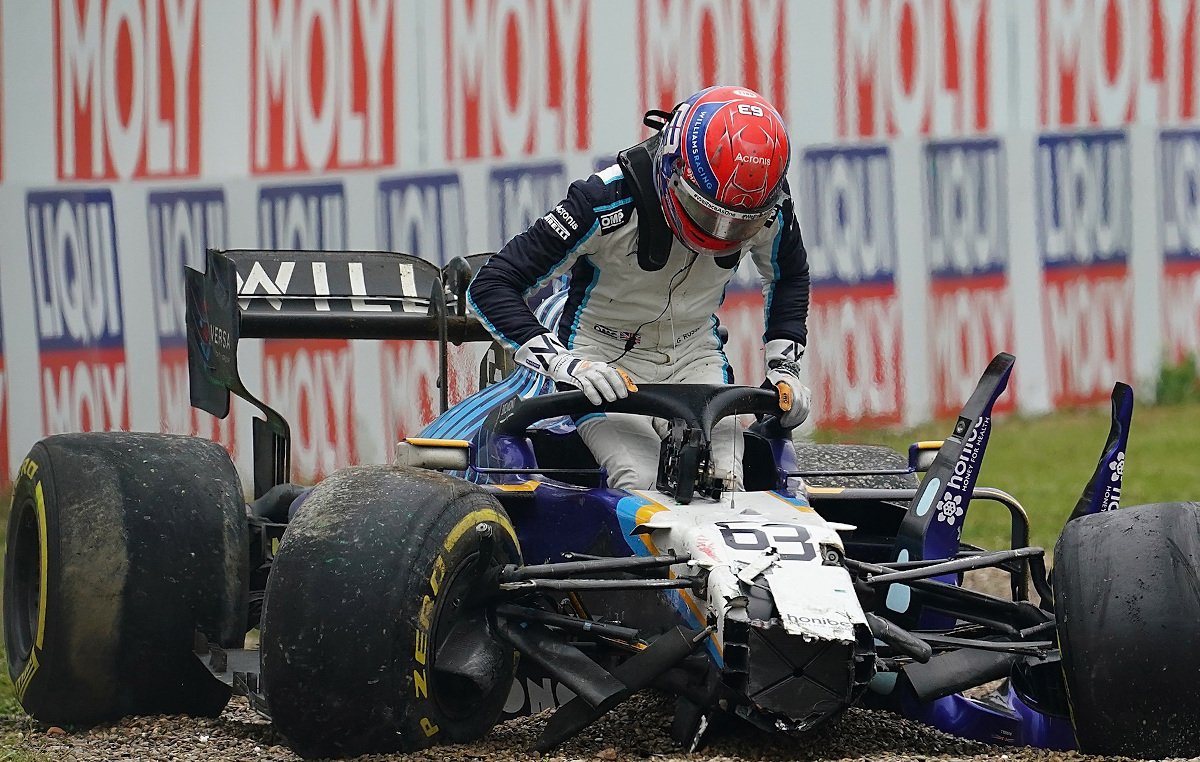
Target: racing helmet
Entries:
(720, 168)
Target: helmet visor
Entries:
(718, 221)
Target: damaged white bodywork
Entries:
(757, 538)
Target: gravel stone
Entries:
(636, 731)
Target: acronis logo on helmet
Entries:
(748, 159)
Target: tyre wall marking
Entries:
(44, 547)
(29, 469)
(421, 640)
(477, 517)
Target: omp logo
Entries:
(127, 88)
(182, 226)
(914, 67)
(423, 215)
(611, 220)
(1110, 63)
(523, 194)
(311, 383)
(1084, 198)
(323, 84)
(849, 225)
(309, 217)
(518, 78)
(849, 229)
(73, 252)
(687, 45)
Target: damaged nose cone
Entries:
(797, 681)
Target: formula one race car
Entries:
(491, 572)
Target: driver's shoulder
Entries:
(605, 192)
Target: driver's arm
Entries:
(530, 260)
(783, 263)
(549, 248)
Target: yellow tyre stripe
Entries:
(43, 582)
(22, 684)
(476, 517)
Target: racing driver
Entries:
(650, 244)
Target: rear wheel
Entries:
(120, 546)
(371, 638)
(1127, 601)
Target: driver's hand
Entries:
(600, 381)
(783, 375)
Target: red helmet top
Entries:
(721, 168)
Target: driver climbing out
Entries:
(650, 244)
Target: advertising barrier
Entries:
(971, 301)
(1179, 220)
(854, 320)
(182, 224)
(971, 177)
(80, 330)
(1086, 229)
(5, 479)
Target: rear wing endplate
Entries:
(314, 295)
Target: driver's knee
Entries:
(628, 475)
(626, 446)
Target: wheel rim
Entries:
(467, 627)
(22, 604)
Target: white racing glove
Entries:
(783, 374)
(600, 381)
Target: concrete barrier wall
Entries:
(973, 176)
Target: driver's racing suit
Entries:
(656, 324)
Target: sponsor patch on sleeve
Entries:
(610, 221)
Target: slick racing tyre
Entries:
(850, 457)
(371, 641)
(1127, 600)
(120, 546)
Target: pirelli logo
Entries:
(557, 226)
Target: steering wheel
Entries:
(699, 406)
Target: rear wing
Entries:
(314, 295)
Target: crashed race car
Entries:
(490, 572)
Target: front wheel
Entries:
(371, 639)
(1127, 601)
